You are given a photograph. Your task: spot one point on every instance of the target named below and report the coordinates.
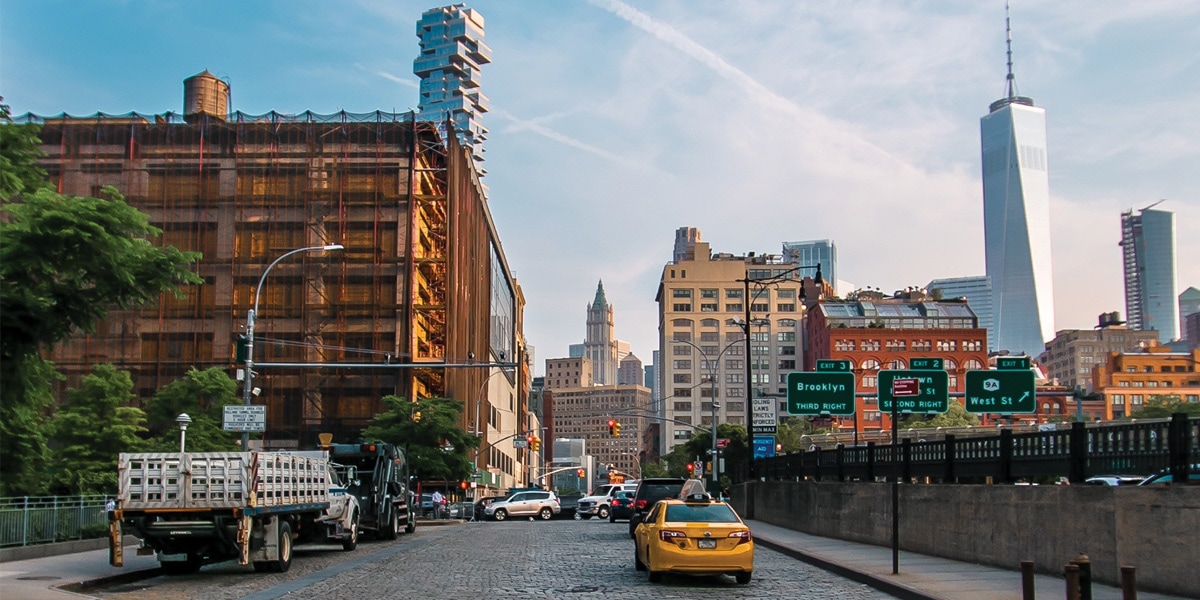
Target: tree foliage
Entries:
(436, 446)
(91, 428)
(955, 416)
(64, 263)
(1161, 406)
(203, 395)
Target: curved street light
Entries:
(713, 402)
(248, 380)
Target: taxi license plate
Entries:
(708, 543)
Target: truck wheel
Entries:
(602, 513)
(351, 542)
(545, 514)
(392, 530)
(284, 562)
(500, 514)
(187, 567)
(411, 524)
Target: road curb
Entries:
(886, 586)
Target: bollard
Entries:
(1085, 576)
(1072, 575)
(1027, 580)
(1128, 583)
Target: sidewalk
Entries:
(921, 577)
(37, 578)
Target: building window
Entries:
(760, 350)
(708, 307)
(789, 365)
(896, 345)
(868, 345)
(734, 392)
(683, 407)
(947, 346)
(735, 378)
(1135, 399)
(870, 381)
(785, 336)
(787, 350)
(735, 363)
(710, 336)
(682, 307)
(681, 350)
(681, 293)
(682, 392)
(733, 308)
(1118, 399)
(760, 307)
(897, 364)
(922, 345)
(733, 293)
(710, 323)
(683, 377)
(735, 407)
(870, 364)
(791, 307)
(972, 365)
(843, 346)
(709, 293)
(760, 336)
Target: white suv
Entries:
(598, 504)
(530, 503)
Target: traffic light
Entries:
(417, 417)
(617, 430)
(612, 427)
(240, 352)
(691, 467)
(462, 485)
(579, 472)
(529, 442)
(537, 444)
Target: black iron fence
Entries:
(1082, 451)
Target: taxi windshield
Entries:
(700, 513)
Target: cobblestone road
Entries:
(516, 559)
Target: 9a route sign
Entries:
(934, 393)
(820, 393)
(1000, 392)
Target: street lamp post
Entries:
(712, 379)
(248, 379)
(764, 282)
(183, 419)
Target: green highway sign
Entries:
(1000, 392)
(824, 364)
(821, 393)
(934, 393)
(927, 363)
(1013, 363)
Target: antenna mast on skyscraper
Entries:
(1012, 80)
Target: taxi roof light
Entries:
(698, 498)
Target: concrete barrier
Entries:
(59, 548)
(1151, 528)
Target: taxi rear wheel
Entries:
(743, 578)
(655, 576)
(638, 565)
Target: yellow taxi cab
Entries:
(694, 535)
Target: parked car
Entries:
(696, 535)
(652, 490)
(461, 510)
(1164, 476)
(1114, 480)
(621, 506)
(541, 504)
(482, 504)
(599, 504)
(568, 504)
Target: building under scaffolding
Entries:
(422, 280)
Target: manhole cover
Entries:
(38, 578)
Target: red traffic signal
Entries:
(691, 467)
(462, 485)
(612, 427)
(579, 472)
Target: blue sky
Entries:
(615, 123)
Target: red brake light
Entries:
(743, 535)
(641, 504)
(668, 535)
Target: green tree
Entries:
(93, 426)
(1161, 406)
(701, 443)
(955, 416)
(436, 446)
(654, 469)
(203, 395)
(64, 263)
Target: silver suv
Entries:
(541, 504)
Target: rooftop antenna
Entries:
(1153, 205)
(1012, 80)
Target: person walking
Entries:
(439, 504)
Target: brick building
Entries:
(1127, 380)
(885, 334)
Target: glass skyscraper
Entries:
(452, 50)
(1148, 250)
(1016, 221)
(814, 252)
(978, 292)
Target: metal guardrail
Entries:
(1134, 448)
(26, 520)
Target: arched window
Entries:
(682, 322)
(707, 322)
(972, 365)
(951, 364)
(787, 322)
(870, 364)
(897, 364)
